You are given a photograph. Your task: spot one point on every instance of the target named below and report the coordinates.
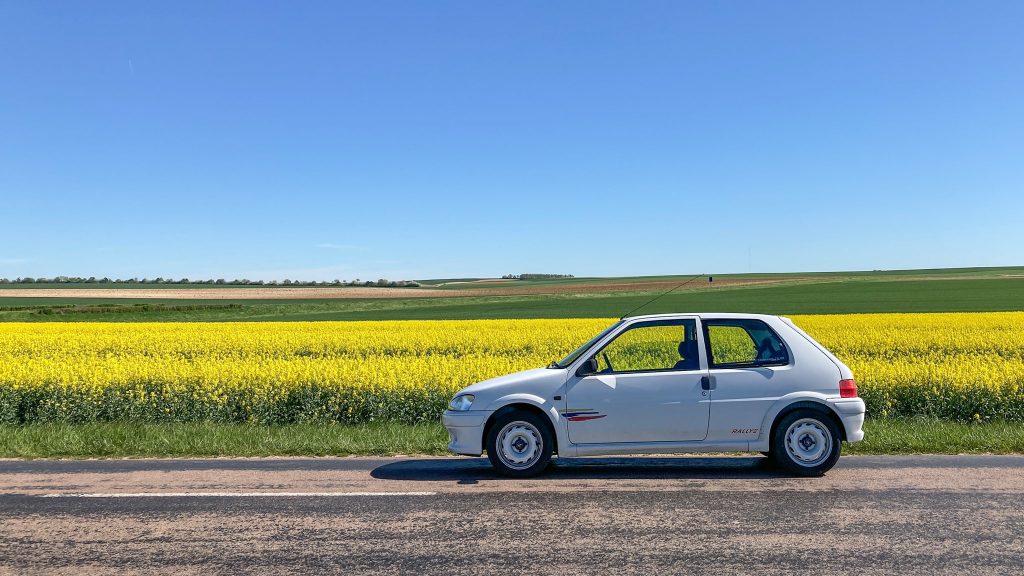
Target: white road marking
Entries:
(227, 494)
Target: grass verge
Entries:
(930, 436)
(131, 440)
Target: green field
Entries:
(862, 294)
(581, 282)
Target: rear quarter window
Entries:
(735, 343)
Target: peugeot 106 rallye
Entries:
(668, 383)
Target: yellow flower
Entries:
(968, 366)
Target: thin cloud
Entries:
(12, 261)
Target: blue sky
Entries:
(437, 139)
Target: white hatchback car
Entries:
(668, 383)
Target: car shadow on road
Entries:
(469, 470)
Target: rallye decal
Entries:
(581, 414)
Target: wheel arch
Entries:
(806, 405)
(526, 406)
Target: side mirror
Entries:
(588, 367)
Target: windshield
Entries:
(564, 362)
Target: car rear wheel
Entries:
(519, 444)
(806, 443)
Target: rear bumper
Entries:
(465, 431)
(851, 412)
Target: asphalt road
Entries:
(870, 515)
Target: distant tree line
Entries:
(383, 283)
(535, 276)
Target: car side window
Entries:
(656, 345)
(743, 342)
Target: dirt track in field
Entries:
(313, 293)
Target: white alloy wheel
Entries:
(808, 442)
(520, 445)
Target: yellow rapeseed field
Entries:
(963, 366)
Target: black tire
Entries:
(817, 443)
(522, 428)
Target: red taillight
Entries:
(847, 388)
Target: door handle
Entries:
(707, 382)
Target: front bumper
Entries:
(851, 412)
(465, 431)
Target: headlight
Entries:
(461, 402)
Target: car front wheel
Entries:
(519, 444)
(806, 443)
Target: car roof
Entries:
(703, 315)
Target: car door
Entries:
(647, 388)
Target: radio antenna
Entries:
(660, 296)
